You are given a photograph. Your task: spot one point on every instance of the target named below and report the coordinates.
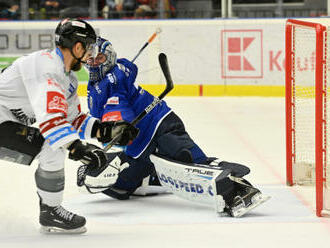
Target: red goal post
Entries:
(307, 150)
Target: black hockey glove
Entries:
(106, 131)
(89, 154)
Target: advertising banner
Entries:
(211, 54)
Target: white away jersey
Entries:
(37, 88)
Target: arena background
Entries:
(230, 57)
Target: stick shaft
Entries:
(151, 38)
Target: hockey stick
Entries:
(152, 37)
(169, 86)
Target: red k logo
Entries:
(241, 54)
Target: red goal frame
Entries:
(320, 106)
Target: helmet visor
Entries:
(91, 50)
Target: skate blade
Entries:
(57, 230)
(257, 200)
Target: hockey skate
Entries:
(59, 220)
(246, 200)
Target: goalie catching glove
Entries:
(98, 180)
(106, 131)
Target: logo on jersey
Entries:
(52, 123)
(97, 88)
(90, 100)
(59, 134)
(112, 78)
(112, 116)
(113, 100)
(56, 103)
(71, 88)
(23, 117)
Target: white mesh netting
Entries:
(304, 105)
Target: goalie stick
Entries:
(169, 86)
(152, 37)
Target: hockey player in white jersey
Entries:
(41, 88)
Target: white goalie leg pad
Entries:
(194, 183)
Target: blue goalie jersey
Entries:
(118, 97)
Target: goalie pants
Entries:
(170, 140)
(21, 141)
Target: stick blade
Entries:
(166, 71)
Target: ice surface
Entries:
(246, 130)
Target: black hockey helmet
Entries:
(70, 31)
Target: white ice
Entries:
(247, 130)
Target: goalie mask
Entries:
(102, 61)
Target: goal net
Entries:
(307, 110)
